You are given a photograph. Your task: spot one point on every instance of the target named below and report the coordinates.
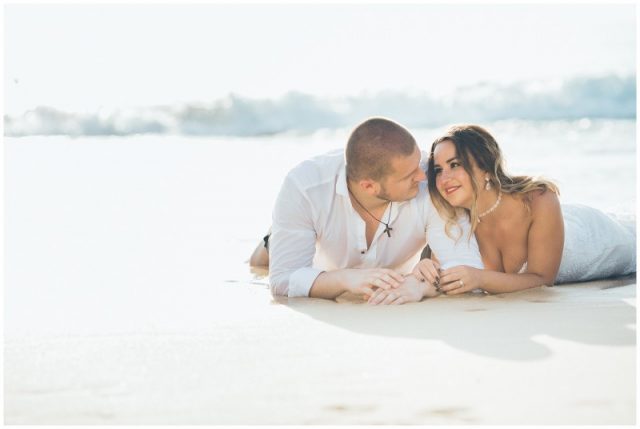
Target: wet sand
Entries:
(561, 355)
(127, 302)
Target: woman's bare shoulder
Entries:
(543, 202)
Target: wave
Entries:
(581, 97)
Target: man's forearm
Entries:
(361, 281)
(329, 285)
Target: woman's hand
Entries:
(427, 269)
(460, 279)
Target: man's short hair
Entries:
(373, 145)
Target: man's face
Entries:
(402, 184)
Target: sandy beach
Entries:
(145, 145)
(561, 355)
(127, 301)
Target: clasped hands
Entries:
(452, 281)
(426, 280)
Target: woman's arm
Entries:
(544, 253)
(461, 279)
(546, 237)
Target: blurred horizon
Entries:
(205, 69)
(603, 97)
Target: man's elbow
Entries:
(278, 287)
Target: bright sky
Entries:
(80, 57)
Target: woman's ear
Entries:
(487, 182)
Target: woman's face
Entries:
(452, 180)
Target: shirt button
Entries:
(362, 252)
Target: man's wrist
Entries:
(328, 285)
(430, 290)
(427, 289)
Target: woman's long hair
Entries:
(473, 142)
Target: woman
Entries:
(526, 238)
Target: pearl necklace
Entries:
(493, 207)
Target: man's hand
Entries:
(412, 290)
(366, 281)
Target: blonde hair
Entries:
(474, 143)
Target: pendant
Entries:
(388, 230)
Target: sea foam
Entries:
(235, 115)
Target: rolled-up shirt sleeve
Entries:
(292, 244)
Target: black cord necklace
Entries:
(387, 228)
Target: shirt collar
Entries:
(341, 185)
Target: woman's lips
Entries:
(451, 189)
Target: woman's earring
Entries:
(487, 183)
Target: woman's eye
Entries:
(437, 170)
(454, 164)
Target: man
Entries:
(357, 221)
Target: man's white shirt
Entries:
(315, 228)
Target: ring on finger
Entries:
(461, 283)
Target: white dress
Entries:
(596, 245)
